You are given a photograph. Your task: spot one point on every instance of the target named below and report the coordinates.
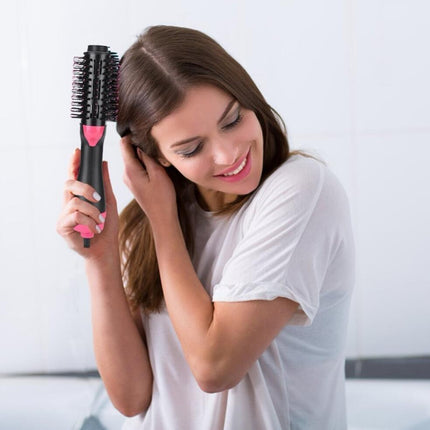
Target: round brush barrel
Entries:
(94, 101)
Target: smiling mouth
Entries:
(238, 169)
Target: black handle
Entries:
(90, 169)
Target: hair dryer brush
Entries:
(94, 101)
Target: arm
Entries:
(220, 341)
(119, 344)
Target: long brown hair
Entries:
(155, 73)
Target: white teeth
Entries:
(239, 169)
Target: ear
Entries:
(163, 162)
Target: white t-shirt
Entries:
(292, 239)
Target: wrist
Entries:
(166, 227)
(106, 262)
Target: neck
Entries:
(210, 200)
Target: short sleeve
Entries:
(286, 242)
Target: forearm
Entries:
(120, 352)
(221, 340)
(192, 311)
(189, 305)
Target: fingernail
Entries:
(102, 218)
(97, 196)
(98, 229)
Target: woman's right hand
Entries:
(76, 211)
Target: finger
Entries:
(74, 188)
(150, 164)
(126, 146)
(75, 161)
(141, 156)
(83, 223)
(128, 153)
(67, 224)
(133, 168)
(78, 205)
(73, 171)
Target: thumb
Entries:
(74, 163)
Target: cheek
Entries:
(193, 170)
(252, 129)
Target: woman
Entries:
(237, 255)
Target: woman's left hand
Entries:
(149, 183)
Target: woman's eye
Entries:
(194, 151)
(234, 122)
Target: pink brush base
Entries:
(93, 133)
(86, 233)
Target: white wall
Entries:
(350, 78)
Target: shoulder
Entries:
(299, 169)
(299, 178)
(297, 188)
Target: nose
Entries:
(224, 151)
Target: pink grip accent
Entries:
(86, 233)
(93, 133)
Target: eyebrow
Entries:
(190, 139)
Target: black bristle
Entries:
(94, 86)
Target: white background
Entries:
(351, 80)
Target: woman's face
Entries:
(213, 142)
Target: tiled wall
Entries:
(350, 78)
